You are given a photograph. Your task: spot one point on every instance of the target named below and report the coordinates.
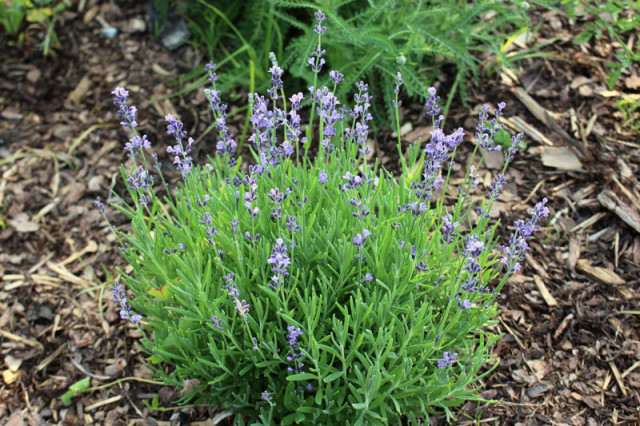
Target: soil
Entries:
(570, 351)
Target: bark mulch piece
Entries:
(570, 351)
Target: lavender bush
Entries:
(314, 290)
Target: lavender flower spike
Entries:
(448, 359)
(518, 241)
(320, 18)
(126, 311)
(448, 229)
(280, 262)
(431, 106)
(136, 145)
(360, 239)
(398, 82)
(242, 307)
(127, 113)
(322, 177)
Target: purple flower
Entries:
(437, 151)
(320, 18)
(448, 229)
(336, 77)
(363, 211)
(294, 354)
(473, 246)
(415, 208)
(174, 128)
(368, 277)
(251, 238)
(266, 396)
(291, 224)
(242, 307)
(217, 322)
(181, 157)
(205, 200)
(98, 204)
(280, 262)
(127, 113)
(485, 132)
(463, 304)
(292, 337)
(513, 148)
(234, 226)
(206, 219)
(276, 196)
(226, 143)
(211, 233)
(431, 106)
(398, 82)
(232, 290)
(144, 200)
(360, 111)
(518, 241)
(448, 359)
(422, 267)
(276, 77)
(135, 145)
(317, 63)
(353, 181)
(255, 344)
(210, 68)
(473, 177)
(495, 189)
(139, 179)
(126, 311)
(360, 239)
(322, 177)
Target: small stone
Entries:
(136, 25)
(34, 75)
(109, 32)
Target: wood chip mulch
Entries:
(570, 353)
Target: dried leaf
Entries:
(12, 363)
(602, 275)
(10, 377)
(632, 82)
(22, 224)
(80, 91)
(562, 158)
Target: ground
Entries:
(570, 349)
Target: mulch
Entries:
(570, 351)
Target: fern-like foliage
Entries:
(367, 40)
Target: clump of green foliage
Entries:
(316, 287)
(615, 18)
(372, 40)
(630, 108)
(13, 13)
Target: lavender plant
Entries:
(313, 286)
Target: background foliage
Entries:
(370, 40)
(13, 14)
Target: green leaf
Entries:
(39, 15)
(583, 37)
(74, 389)
(301, 377)
(333, 376)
